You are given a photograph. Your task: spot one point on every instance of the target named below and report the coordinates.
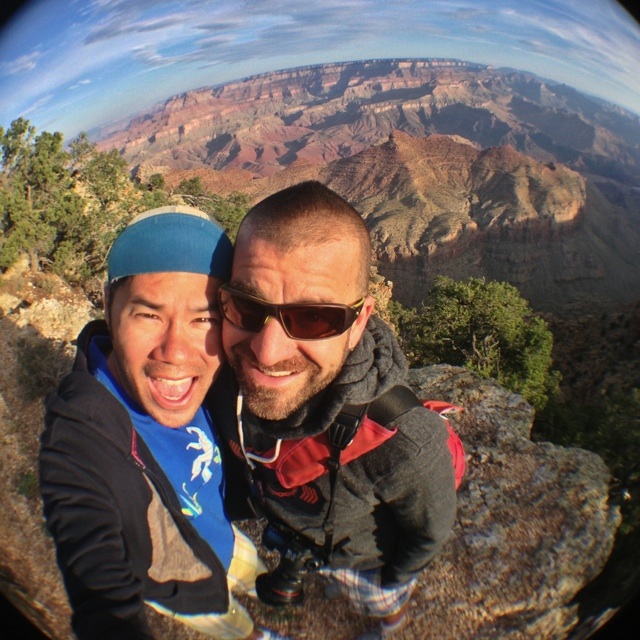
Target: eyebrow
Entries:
(139, 300)
(158, 306)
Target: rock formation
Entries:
(534, 522)
(320, 113)
(437, 205)
(460, 169)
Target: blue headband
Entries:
(171, 239)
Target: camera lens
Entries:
(278, 589)
(283, 585)
(313, 564)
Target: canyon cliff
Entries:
(458, 168)
(442, 206)
(324, 112)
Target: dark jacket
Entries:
(116, 521)
(395, 505)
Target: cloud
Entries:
(467, 13)
(219, 27)
(116, 27)
(79, 84)
(23, 64)
(534, 45)
(149, 56)
(43, 101)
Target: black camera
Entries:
(283, 585)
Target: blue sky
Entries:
(70, 65)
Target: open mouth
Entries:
(173, 391)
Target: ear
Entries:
(358, 327)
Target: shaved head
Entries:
(309, 214)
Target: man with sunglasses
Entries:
(131, 465)
(300, 336)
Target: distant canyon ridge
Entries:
(457, 168)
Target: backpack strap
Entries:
(346, 425)
(383, 409)
(341, 434)
(392, 404)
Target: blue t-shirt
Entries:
(188, 455)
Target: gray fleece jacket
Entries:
(394, 505)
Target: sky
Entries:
(72, 65)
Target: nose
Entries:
(271, 344)
(173, 346)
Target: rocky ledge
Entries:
(534, 522)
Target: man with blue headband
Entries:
(131, 466)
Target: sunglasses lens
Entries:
(313, 323)
(301, 322)
(242, 312)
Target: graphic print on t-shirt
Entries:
(200, 472)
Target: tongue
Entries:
(172, 389)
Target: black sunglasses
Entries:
(303, 321)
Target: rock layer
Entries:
(321, 113)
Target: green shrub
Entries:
(63, 208)
(27, 485)
(484, 326)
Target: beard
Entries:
(276, 404)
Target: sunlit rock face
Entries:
(440, 205)
(321, 113)
(534, 523)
